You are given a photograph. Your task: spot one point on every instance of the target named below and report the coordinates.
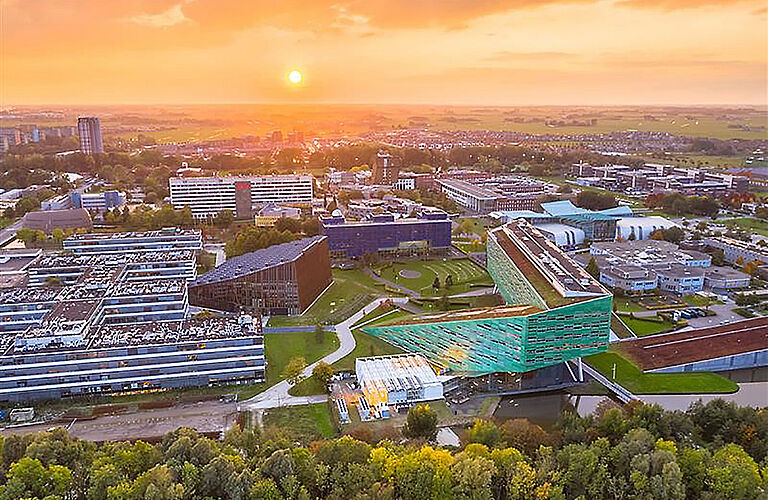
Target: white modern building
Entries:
(207, 196)
(401, 379)
(640, 228)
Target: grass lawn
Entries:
(749, 224)
(310, 421)
(463, 271)
(367, 345)
(619, 328)
(469, 246)
(350, 291)
(634, 380)
(626, 305)
(643, 327)
(699, 301)
(281, 347)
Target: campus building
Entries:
(485, 195)
(646, 265)
(98, 202)
(133, 242)
(105, 359)
(93, 320)
(281, 279)
(207, 196)
(556, 312)
(568, 225)
(383, 234)
(385, 172)
(388, 382)
(89, 130)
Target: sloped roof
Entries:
(252, 262)
(564, 207)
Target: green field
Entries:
(350, 291)
(749, 224)
(633, 379)
(190, 122)
(626, 305)
(281, 347)
(465, 274)
(309, 422)
(644, 327)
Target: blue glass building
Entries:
(383, 234)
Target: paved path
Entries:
(277, 395)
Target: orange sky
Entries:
(384, 51)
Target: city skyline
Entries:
(491, 52)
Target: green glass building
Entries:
(556, 312)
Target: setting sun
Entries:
(295, 76)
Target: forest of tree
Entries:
(713, 451)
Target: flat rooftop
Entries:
(65, 260)
(395, 373)
(543, 263)
(27, 295)
(471, 189)
(673, 349)
(163, 233)
(506, 311)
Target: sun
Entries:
(295, 76)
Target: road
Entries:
(205, 416)
(8, 233)
(277, 395)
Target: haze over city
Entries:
(384, 250)
(491, 52)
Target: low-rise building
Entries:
(384, 234)
(277, 280)
(389, 382)
(722, 279)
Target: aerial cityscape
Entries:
(383, 250)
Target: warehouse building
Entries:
(278, 280)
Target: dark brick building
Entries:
(282, 279)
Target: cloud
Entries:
(684, 4)
(170, 17)
(512, 56)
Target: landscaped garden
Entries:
(350, 291)
(634, 380)
(647, 326)
(419, 275)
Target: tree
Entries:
(484, 432)
(592, 268)
(293, 371)
(524, 435)
(751, 267)
(436, 283)
(323, 372)
(224, 219)
(421, 422)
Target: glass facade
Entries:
(557, 329)
(511, 344)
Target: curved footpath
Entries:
(277, 395)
